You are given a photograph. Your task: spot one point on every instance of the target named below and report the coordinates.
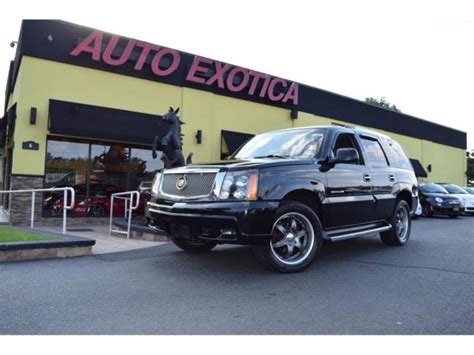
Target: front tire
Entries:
(400, 221)
(425, 212)
(97, 210)
(296, 239)
(191, 246)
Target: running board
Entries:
(358, 233)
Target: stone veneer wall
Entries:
(20, 204)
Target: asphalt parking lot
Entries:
(355, 287)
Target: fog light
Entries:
(229, 231)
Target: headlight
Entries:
(84, 202)
(439, 199)
(156, 184)
(240, 185)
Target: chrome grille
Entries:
(198, 184)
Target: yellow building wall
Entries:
(448, 163)
(39, 80)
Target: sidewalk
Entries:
(104, 242)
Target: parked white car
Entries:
(469, 189)
(466, 198)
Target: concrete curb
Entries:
(139, 232)
(62, 247)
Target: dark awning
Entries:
(235, 139)
(79, 120)
(418, 168)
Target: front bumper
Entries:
(447, 210)
(225, 222)
(469, 209)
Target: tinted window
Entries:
(454, 189)
(293, 144)
(374, 153)
(346, 140)
(432, 188)
(398, 156)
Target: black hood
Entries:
(249, 164)
(443, 196)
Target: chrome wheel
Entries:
(402, 223)
(292, 238)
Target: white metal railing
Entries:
(130, 205)
(33, 192)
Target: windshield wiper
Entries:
(272, 156)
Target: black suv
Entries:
(287, 191)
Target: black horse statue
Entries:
(171, 144)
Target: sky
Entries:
(419, 55)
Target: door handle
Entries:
(391, 178)
(367, 177)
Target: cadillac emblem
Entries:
(181, 183)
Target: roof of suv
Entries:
(359, 130)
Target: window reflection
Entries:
(109, 165)
(142, 169)
(66, 164)
(95, 171)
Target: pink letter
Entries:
(243, 83)
(263, 91)
(107, 56)
(219, 75)
(195, 68)
(292, 94)
(155, 63)
(256, 77)
(90, 44)
(271, 89)
(146, 48)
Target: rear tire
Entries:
(193, 246)
(400, 221)
(296, 239)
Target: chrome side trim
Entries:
(354, 228)
(359, 234)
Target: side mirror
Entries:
(345, 156)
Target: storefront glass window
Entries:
(96, 171)
(142, 168)
(109, 165)
(66, 164)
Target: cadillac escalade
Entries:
(287, 191)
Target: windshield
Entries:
(292, 144)
(432, 188)
(454, 189)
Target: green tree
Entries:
(382, 102)
(470, 167)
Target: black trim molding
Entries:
(102, 123)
